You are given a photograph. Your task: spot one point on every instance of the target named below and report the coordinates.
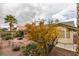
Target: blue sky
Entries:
(28, 12)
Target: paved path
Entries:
(56, 51)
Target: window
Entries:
(67, 34)
(61, 34)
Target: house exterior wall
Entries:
(65, 40)
(67, 43)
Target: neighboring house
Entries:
(67, 36)
(20, 27)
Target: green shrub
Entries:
(33, 50)
(19, 34)
(29, 50)
(6, 36)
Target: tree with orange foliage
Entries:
(43, 34)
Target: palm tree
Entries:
(10, 20)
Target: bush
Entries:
(6, 36)
(33, 50)
(19, 34)
(29, 50)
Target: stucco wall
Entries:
(66, 40)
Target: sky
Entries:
(28, 12)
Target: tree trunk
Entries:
(10, 24)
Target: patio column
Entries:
(77, 50)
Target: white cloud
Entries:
(26, 12)
(66, 11)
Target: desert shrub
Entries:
(33, 50)
(29, 50)
(6, 36)
(19, 33)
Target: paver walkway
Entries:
(56, 51)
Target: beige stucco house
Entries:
(66, 38)
(66, 33)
